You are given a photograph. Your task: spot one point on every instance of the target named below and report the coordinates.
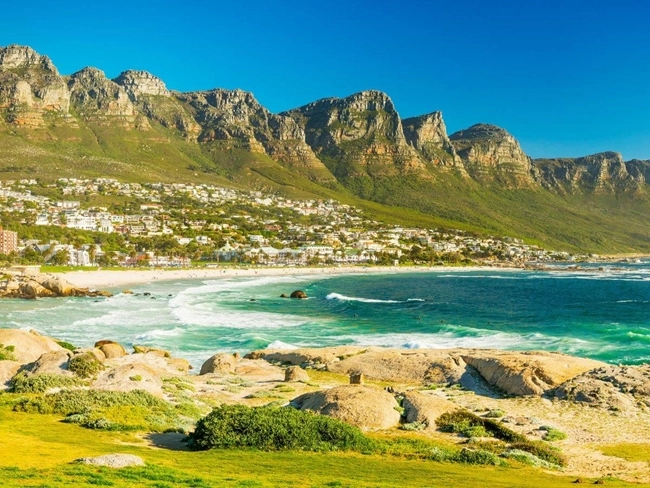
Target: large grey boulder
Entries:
(220, 363)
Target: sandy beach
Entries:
(118, 278)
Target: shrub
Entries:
(66, 345)
(269, 428)
(553, 434)
(136, 377)
(527, 458)
(470, 456)
(495, 413)
(40, 383)
(85, 365)
(543, 451)
(7, 353)
(462, 422)
(413, 426)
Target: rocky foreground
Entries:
(32, 286)
(594, 403)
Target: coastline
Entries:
(113, 278)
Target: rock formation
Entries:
(43, 285)
(428, 134)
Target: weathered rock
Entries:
(151, 350)
(33, 289)
(180, 364)
(367, 408)
(127, 292)
(111, 349)
(529, 372)
(306, 356)
(53, 362)
(428, 134)
(298, 294)
(490, 153)
(112, 460)
(8, 370)
(296, 373)
(419, 407)
(128, 377)
(59, 286)
(219, 363)
(28, 346)
(612, 387)
(140, 83)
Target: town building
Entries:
(8, 241)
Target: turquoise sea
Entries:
(601, 313)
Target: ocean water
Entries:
(602, 313)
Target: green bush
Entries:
(495, 413)
(269, 428)
(479, 456)
(527, 458)
(66, 345)
(553, 434)
(39, 383)
(413, 426)
(7, 353)
(111, 410)
(85, 365)
(542, 451)
(463, 422)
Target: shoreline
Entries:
(114, 278)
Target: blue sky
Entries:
(567, 78)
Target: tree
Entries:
(60, 258)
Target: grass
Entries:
(628, 451)
(52, 445)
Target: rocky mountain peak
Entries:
(16, 57)
(490, 153)
(139, 83)
(428, 134)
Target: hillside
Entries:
(356, 149)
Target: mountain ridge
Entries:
(356, 147)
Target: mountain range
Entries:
(356, 149)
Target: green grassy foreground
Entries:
(37, 451)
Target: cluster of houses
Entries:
(264, 229)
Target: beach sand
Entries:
(117, 278)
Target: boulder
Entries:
(111, 349)
(127, 292)
(151, 350)
(295, 373)
(367, 408)
(59, 286)
(53, 362)
(28, 346)
(128, 377)
(8, 369)
(33, 289)
(112, 460)
(306, 356)
(357, 378)
(527, 373)
(219, 363)
(298, 294)
(419, 407)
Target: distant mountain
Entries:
(356, 149)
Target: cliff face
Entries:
(237, 120)
(354, 140)
(428, 135)
(599, 173)
(360, 135)
(153, 99)
(30, 87)
(491, 154)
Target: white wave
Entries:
(281, 345)
(343, 298)
(158, 333)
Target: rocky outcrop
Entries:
(599, 173)
(141, 84)
(42, 285)
(30, 87)
(28, 345)
(129, 377)
(367, 408)
(103, 102)
(111, 349)
(8, 369)
(54, 362)
(611, 387)
(492, 155)
(358, 136)
(527, 373)
(428, 134)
